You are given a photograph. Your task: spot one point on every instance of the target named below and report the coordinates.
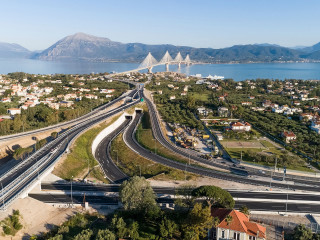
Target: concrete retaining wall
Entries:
(105, 132)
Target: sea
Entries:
(238, 72)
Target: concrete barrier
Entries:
(105, 132)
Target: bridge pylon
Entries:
(187, 60)
(148, 62)
(166, 59)
(178, 59)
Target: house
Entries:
(160, 92)
(14, 111)
(239, 126)
(289, 136)
(204, 111)
(223, 112)
(239, 228)
(246, 103)
(66, 103)
(172, 97)
(4, 100)
(315, 125)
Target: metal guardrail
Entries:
(43, 161)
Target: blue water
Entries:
(236, 71)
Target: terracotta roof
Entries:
(288, 134)
(240, 222)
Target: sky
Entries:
(37, 24)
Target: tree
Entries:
(302, 233)
(245, 210)
(84, 235)
(184, 196)
(228, 220)
(133, 230)
(198, 221)
(191, 102)
(41, 143)
(119, 226)
(138, 196)
(54, 135)
(167, 228)
(105, 235)
(214, 195)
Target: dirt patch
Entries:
(207, 181)
(37, 217)
(242, 144)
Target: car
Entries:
(261, 171)
(234, 165)
(223, 162)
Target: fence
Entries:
(285, 224)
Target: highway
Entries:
(256, 201)
(102, 154)
(265, 176)
(73, 121)
(27, 171)
(129, 138)
(114, 188)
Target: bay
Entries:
(238, 72)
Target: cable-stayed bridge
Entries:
(149, 62)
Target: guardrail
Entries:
(43, 161)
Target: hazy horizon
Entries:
(36, 24)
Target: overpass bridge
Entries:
(149, 62)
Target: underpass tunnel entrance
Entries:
(139, 110)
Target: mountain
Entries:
(13, 50)
(311, 49)
(81, 46)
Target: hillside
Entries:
(82, 46)
(12, 50)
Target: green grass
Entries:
(76, 163)
(131, 162)
(200, 97)
(267, 144)
(236, 153)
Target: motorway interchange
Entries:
(21, 177)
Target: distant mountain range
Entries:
(81, 46)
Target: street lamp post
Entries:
(71, 192)
(155, 146)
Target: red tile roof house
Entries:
(238, 126)
(240, 228)
(289, 136)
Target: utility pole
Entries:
(3, 206)
(287, 200)
(185, 173)
(275, 164)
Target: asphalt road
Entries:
(267, 195)
(74, 121)
(132, 143)
(309, 182)
(102, 154)
(109, 200)
(60, 144)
